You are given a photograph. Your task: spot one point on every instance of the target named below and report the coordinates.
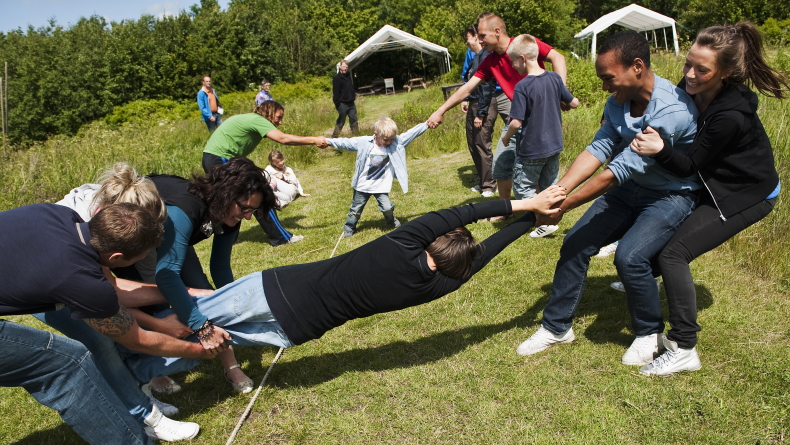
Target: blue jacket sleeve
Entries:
(170, 259)
(350, 144)
(410, 135)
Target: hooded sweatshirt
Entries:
(731, 152)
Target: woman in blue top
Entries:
(731, 154)
(197, 209)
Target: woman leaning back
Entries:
(733, 157)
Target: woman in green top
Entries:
(238, 136)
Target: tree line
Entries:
(61, 78)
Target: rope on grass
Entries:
(254, 398)
(265, 376)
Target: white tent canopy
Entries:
(390, 38)
(633, 17)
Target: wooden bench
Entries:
(417, 82)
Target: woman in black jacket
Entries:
(732, 156)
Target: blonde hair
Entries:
(122, 184)
(385, 128)
(523, 45)
(276, 155)
(491, 22)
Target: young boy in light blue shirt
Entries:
(380, 158)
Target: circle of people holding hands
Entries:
(686, 168)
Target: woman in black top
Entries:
(425, 259)
(733, 157)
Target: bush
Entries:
(151, 112)
(311, 88)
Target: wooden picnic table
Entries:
(447, 90)
(417, 82)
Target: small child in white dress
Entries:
(283, 180)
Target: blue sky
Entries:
(21, 13)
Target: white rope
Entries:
(254, 398)
(268, 371)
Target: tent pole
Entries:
(665, 39)
(592, 48)
(675, 38)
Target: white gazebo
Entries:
(633, 17)
(390, 38)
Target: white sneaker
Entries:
(643, 350)
(476, 189)
(673, 360)
(160, 427)
(487, 194)
(166, 408)
(542, 340)
(618, 285)
(605, 251)
(295, 239)
(542, 231)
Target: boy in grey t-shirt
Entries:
(536, 111)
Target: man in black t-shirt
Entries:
(51, 261)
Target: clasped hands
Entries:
(647, 143)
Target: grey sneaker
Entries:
(673, 360)
(159, 427)
(396, 223)
(166, 408)
(542, 340)
(476, 189)
(644, 350)
(347, 234)
(618, 285)
(296, 239)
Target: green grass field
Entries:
(447, 372)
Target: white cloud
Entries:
(163, 9)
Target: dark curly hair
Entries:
(236, 180)
(627, 46)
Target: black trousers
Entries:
(701, 232)
(478, 140)
(269, 221)
(346, 109)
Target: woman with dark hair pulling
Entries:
(425, 259)
(238, 136)
(733, 157)
(197, 209)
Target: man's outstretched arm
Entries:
(462, 93)
(123, 328)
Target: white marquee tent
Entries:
(633, 17)
(390, 38)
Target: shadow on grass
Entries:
(608, 309)
(61, 434)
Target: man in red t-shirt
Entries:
(492, 34)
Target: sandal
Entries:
(169, 387)
(242, 387)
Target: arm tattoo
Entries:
(114, 327)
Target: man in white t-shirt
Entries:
(379, 159)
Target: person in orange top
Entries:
(209, 104)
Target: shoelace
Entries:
(664, 359)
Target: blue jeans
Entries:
(534, 174)
(240, 308)
(108, 361)
(60, 373)
(644, 220)
(216, 123)
(505, 157)
(358, 204)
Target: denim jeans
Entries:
(240, 308)
(60, 373)
(358, 204)
(534, 174)
(505, 157)
(212, 125)
(643, 220)
(107, 359)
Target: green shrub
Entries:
(152, 112)
(310, 88)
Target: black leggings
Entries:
(702, 231)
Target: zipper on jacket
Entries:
(710, 192)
